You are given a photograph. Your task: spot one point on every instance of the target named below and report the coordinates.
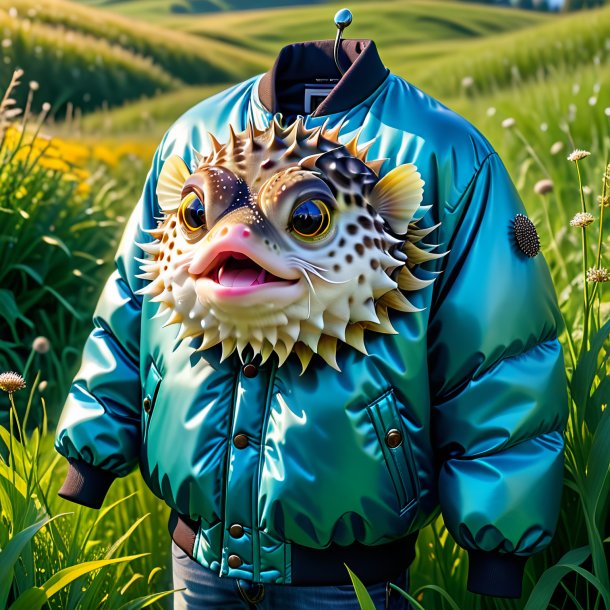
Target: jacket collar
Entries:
(314, 60)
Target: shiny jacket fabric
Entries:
(474, 383)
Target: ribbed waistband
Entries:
(324, 566)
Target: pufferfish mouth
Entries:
(236, 270)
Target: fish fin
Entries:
(172, 177)
(397, 196)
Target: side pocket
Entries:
(396, 448)
(149, 397)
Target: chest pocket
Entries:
(396, 448)
(149, 397)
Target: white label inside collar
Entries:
(315, 94)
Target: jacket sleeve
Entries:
(99, 427)
(498, 387)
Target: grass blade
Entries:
(364, 599)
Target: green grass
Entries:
(78, 68)
(550, 49)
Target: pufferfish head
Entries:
(287, 241)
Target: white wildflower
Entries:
(598, 274)
(578, 155)
(11, 382)
(582, 219)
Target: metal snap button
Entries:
(393, 438)
(240, 441)
(147, 404)
(236, 530)
(234, 561)
(250, 370)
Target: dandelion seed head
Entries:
(592, 100)
(491, 111)
(582, 219)
(578, 155)
(467, 82)
(508, 123)
(586, 189)
(544, 126)
(598, 274)
(11, 382)
(544, 186)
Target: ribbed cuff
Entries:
(495, 574)
(86, 484)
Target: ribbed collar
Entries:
(314, 59)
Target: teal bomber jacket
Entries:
(461, 409)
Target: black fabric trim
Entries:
(86, 484)
(495, 574)
(371, 564)
(315, 59)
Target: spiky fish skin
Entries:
(326, 292)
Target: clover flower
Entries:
(582, 219)
(11, 382)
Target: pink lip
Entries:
(234, 274)
(235, 270)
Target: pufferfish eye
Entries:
(310, 219)
(192, 212)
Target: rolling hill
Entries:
(98, 58)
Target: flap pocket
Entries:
(396, 448)
(149, 393)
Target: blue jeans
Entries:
(205, 590)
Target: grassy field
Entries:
(98, 58)
(535, 85)
(156, 9)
